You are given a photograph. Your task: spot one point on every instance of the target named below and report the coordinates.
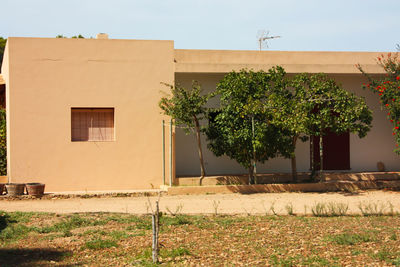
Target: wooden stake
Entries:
(155, 225)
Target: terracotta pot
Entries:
(2, 187)
(15, 189)
(35, 189)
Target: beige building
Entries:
(82, 114)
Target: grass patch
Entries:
(109, 239)
(13, 233)
(175, 220)
(389, 256)
(100, 244)
(70, 223)
(350, 239)
(117, 235)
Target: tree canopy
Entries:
(388, 90)
(242, 127)
(3, 42)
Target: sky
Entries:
(304, 25)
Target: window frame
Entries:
(91, 110)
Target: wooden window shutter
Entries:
(92, 124)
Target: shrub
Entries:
(388, 90)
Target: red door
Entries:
(336, 151)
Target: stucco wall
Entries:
(364, 153)
(50, 76)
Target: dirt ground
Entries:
(267, 203)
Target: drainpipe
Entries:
(163, 151)
(170, 153)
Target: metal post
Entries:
(170, 153)
(163, 151)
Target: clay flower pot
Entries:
(14, 189)
(35, 189)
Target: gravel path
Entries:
(207, 204)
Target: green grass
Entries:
(217, 240)
(13, 233)
(117, 235)
(100, 244)
(70, 223)
(350, 239)
(175, 220)
(390, 257)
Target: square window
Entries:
(92, 124)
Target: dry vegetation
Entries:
(99, 239)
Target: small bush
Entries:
(338, 209)
(319, 210)
(289, 209)
(330, 209)
(372, 209)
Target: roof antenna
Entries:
(263, 37)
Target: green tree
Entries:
(388, 90)
(187, 108)
(3, 42)
(242, 127)
(318, 104)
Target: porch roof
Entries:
(223, 61)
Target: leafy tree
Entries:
(318, 104)
(243, 128)
(187, 108)
(3, 42)
(291, 112)
(388, 89)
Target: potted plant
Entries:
(15, 189)
(35, 189)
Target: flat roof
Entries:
(223, 61)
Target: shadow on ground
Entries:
(33, 257)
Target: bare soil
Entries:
(261, 204)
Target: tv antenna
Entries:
(263, 37)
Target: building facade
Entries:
(82, 114)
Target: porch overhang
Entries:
(224, 61)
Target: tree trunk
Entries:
(202, 170)
(321, 158)
(251, 173)
(293, 159)
(312, 157)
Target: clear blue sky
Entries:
(331, 25)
